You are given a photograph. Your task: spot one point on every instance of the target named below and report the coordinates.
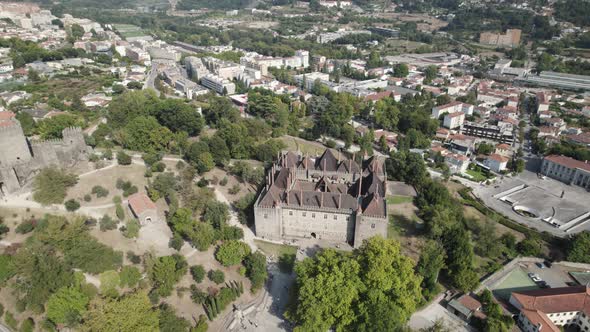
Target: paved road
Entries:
(151, 77)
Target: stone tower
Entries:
(14, 148)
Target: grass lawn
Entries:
(399, 199)
(285, 253)
(476, 176)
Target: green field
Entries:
(128, 30)
(476, 176)
(399, 199)
(285, 253)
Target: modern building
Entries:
(326, 197)
(502, 134)
(567, 170)
(450, 108)
(557, 80)
(218, 84)
(551, 308)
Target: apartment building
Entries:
(454, 120)
(551, 308)
(218, 84)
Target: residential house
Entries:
(496, 162)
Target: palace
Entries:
(326, 197)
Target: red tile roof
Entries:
(498, 158)
(140, 202)
(7, 115)
(503, 146)
(568, 162)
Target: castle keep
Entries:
(21, 159)
(325, 198)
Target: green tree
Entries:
(166, 272)
(460, 269)
(198, 273)
(327, 286)
(579, 250)
(130, 276)
(432, 260)
(123, 158)
(51, 184)
(145, 134)
(169, 322)
(179, 116)
(72, 205)
(256, 270)
(217, 276)
(109, 281)
(132, 312)
(53, 127)
(232, 252)
(401, 70)
(67, 306)
(131, 228)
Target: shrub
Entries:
(217, 276)
(197, 295)
(100, 191)
(72, 205)
(232, 252)
(87, 198)
(176, 242)
(28, 325)
(223, 181)
(123, 158)
(109, 281)
(234, 190)
(107, 223)
(51, 185)
(130, 276)
(117, 199)
(158, 167)
(198, 273)
(10, 320)
(108, 154)
(1, 310)
(120, 212)
(131, 229)
(203, 183)
(133, 258)
(26, 226)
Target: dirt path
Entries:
(233, 221)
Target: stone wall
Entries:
(367, 227)
(336, 225)
(19, 164)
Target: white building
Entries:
(457, 163)
(454, 120)
(497, 163)
(218, 84)
(450, 108)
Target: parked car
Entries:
(548, 263)
(540, 265)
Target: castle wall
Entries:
(268, 222)
(18, 165)
(13, 145)
(324, 224)
(367, 227)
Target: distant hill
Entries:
(212, 4)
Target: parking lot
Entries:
(527, 275)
